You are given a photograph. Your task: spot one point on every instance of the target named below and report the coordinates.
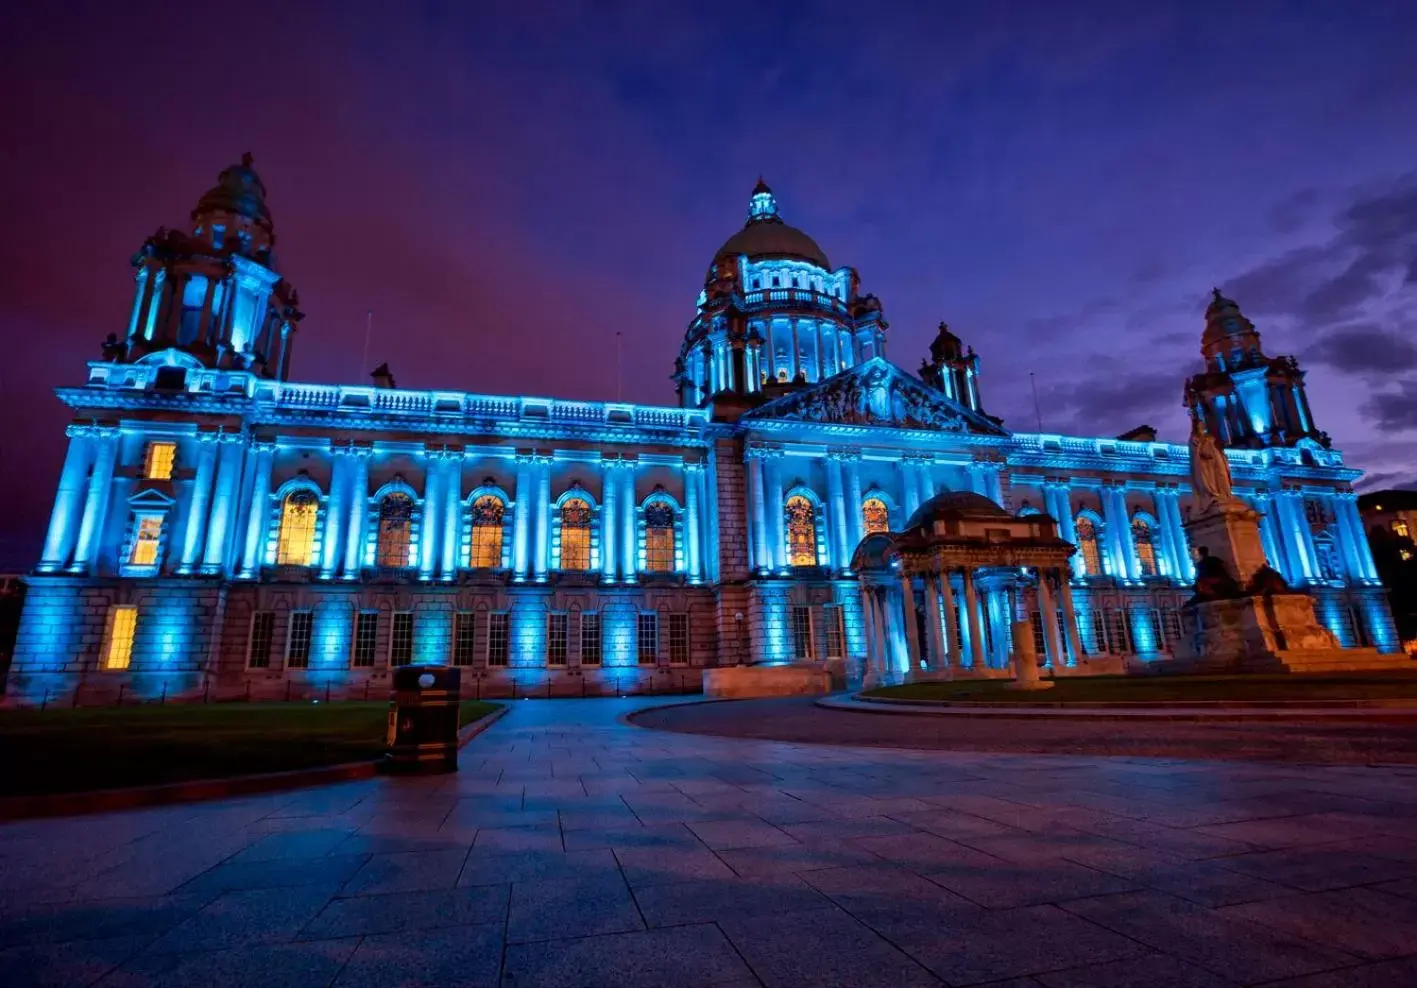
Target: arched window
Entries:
(575, 534)
(1087, 545)
(801, 531)
(659, 537)
(875, 516)
(395, 531)
(295, 545)
(1146, 546)
(487, 512)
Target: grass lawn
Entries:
(58, 750)
(1161, 689)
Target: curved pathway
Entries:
(1374, 736)
(575, 849)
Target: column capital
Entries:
(695, 466)
(264, 445)
(763, 450)
(846, 454)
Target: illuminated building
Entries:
(220, 526)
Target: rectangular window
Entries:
(464, 629)
(679, 639)
(1118, 641)
(263, 633)
(648, 645)
(803, 647)
(1171, 626)
(159, 460)
(118, 647)
(836, 631)
(497, 638)
(297, 640)
(590, 639)
(1096, 643)
(1039, 644)
(401, 639)
(556, 644)
(366, 637)
(146, 538)
(1158, 634)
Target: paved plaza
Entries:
(574, 849)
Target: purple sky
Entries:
(507, 185)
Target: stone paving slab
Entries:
(575, 849)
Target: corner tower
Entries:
(773, 314)
(953, 369)
(215, 293)
(1245, 398)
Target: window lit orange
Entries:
(1087, 545)
(659, 537)
(1146, 546)
(159, 460)
(395, 530)
(295, 544)
(875, 516)
(801, 531)
(487, 513)
(118, 646)
(575, 534)
(146, 541)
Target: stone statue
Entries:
(1210, 471)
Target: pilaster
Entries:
(452, 514)
(259, 516)
(609, 519)
(332, 545)
(522, 518)
(357, 535)
(693, 478)
(196, 525)
(64, 520)
(230, 457)
(836, 507)
(629, 543)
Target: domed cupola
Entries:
(765, 235)
(1246, 398)
(215, 293)
(773, 315)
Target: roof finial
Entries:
(762, 207)
(1215, 294)
(246, 159)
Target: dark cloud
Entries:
(1365, 348)
(1294, 210)
(1389, 480)
(1111, 402)
(1395, 410)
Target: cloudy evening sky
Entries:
(506, 185)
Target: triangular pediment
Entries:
(876, 393)
(149, 497)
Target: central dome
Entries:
(765, 235)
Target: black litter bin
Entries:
(423, 720)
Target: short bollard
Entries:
(423, 720)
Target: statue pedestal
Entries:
(1230, 531)
(1026, 660)
(1264, 633)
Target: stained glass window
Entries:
(1087, 545)
(575, 534)
(801, 531)
(659, 537)
(487, 513)
(1146, 546)
(395, 530)
(295, 545)
(875, 516)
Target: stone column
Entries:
(1178, 533)
(541, 557)
(1363, 550)
(609, 520)
(1119, 524)
(1265, 507)
(796, 350)
(758, 556)
(1294, 528)
(777, 520)
(868, 619)
(452, 514)
(357, 535)
(429, 520)
(332, 544)
(881, 621)
(836, 512)
(231, 453)
(927, 483)
(253, 552)
(971, 606)
(629, 541)
(909, 486)
(1048, 614)
(521, 518)
(68, 501)
(1070, 618)
(912, 627)
(852, 460)
(196, 524)
(953, 650)
(693, 476)
(937, 660)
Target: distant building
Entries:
(1390, 518)
(220, 526)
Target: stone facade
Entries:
(221, 529)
